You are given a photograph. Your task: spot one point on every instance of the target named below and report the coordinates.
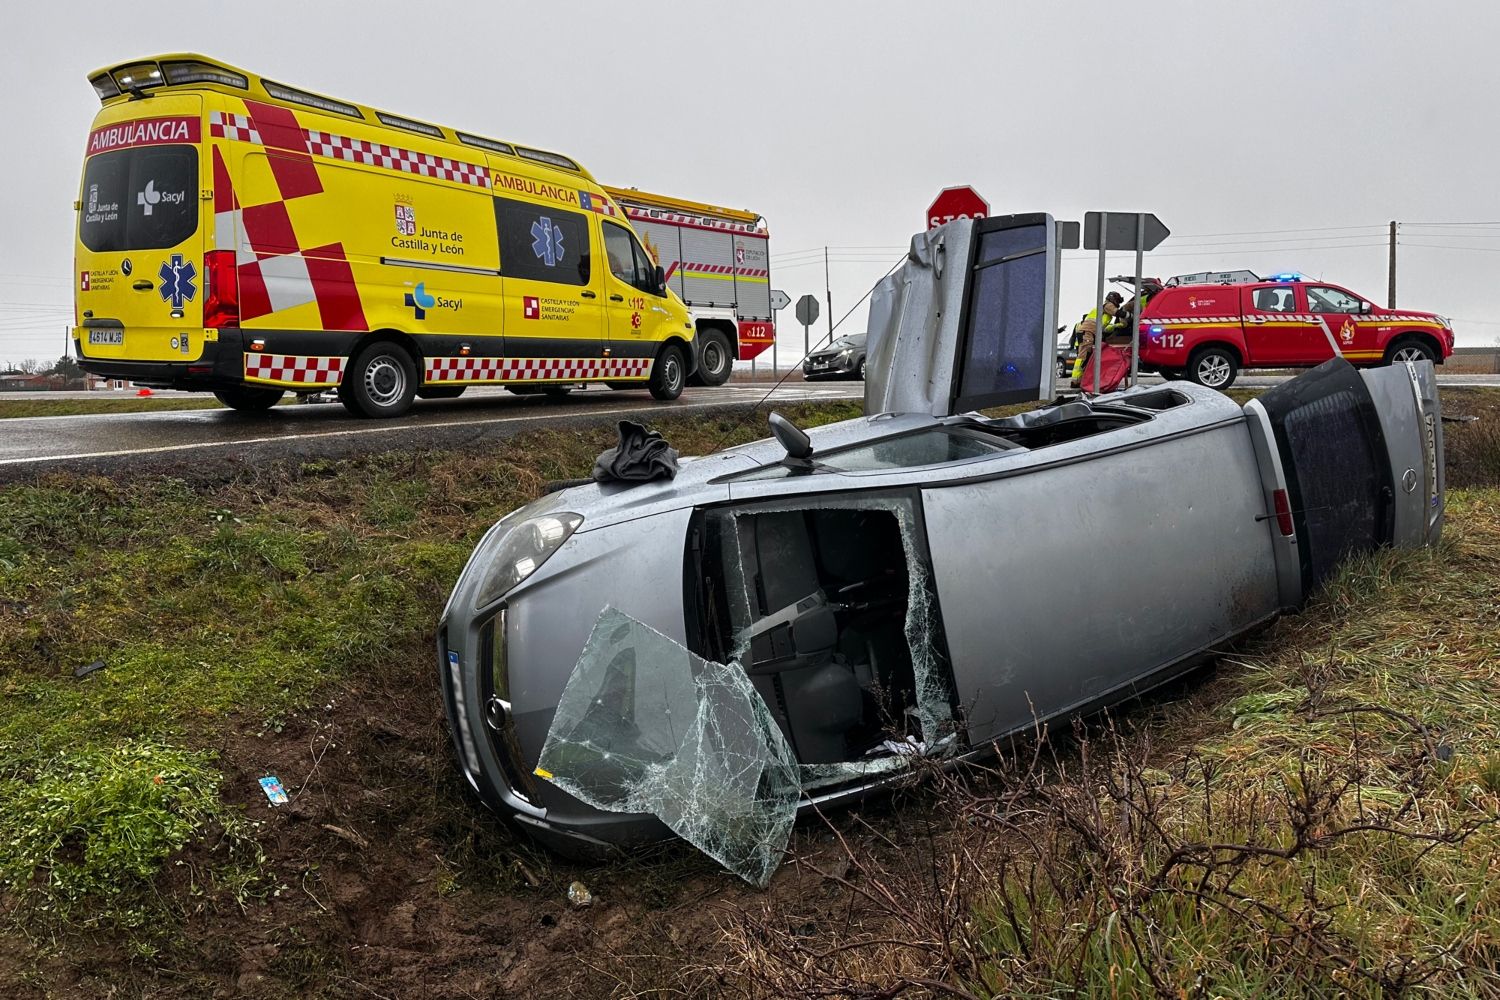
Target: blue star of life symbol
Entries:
(547, 241)
(177, 281)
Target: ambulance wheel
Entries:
(668, 374)
(382, 381)
(1409, 349)
(441, 391)
(1214, 367)
(248, 399)
(715, 361)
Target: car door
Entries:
(1340, 311)
(1278, 330)
(550, 289)
(1329, 435)
(1099, 564)
(632, 303)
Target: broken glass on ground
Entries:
(644, 726)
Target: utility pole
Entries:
(1390, 302)
(828, 293)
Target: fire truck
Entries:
(717, 262)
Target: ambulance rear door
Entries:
(139, 251)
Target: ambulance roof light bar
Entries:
(294, 96)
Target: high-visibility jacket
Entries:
(1111, 328)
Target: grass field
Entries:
(1315, 818)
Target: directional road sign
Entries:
(807, 310)
(961, 202)
(1121, 231)
(779, 300)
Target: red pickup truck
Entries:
(1207, 333)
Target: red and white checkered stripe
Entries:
(294, 368)
(744, 272)
(234, 127)
(528, 369)
(1386, 319)
(378, 154)
(656, 215)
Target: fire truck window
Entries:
(1275, 300)
(617, 249)
(542, 243)
(1331, 300)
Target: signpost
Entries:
(779, 300)
(1105, 231)
(961, 202)
(807, 315)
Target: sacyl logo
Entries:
(151, 197)
(418, 300)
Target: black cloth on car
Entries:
(641, 456)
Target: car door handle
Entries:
(588, 294)
(617, 298)
(142, 286)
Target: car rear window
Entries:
(139, 199)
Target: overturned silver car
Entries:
(792, 621)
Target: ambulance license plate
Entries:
(114, 338)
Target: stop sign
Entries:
(956, 203)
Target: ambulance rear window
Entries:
(139, 199)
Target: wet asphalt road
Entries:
(112, 442)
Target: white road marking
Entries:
(354, 432)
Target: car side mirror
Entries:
(1365, 308)
(660, 277)
(794, 439)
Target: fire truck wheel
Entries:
(248, 399)
(441, 391)
(715, 360)
(668, 374)
(382, 381)
(1213, 366)
(1409, 349)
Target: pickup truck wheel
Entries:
(248, 398)
(1409, 349)
(1213, 367)
(668, 374)
(715, 361)
(382, 381)
(1170, 374)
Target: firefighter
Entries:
(1085, 333)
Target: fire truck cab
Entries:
(1208, 332)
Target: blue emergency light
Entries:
(1155, 330)
(1287, 276)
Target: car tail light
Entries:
(1283, 512)
(221, 302)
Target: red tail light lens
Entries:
(1283, 512)
(221, 306)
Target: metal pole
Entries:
(1390, 300)
(1135, 314)
(806, 339)
(827, 294)
(1098, 359)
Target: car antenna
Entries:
(794, 439)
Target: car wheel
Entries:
(861, 372)
(1409, 349)
(1214, 367)
(249, 398)
(441, 391)
(382, 381)
(668, 374)
(715, 360)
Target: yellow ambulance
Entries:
(245, 237)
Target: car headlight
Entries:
(522, 551)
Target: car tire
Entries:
(441, 391)
(249, 398)
(1213, 367)
(1409, 349)
(715, 359)
(861, 375)
(668, 374)
(382, 381)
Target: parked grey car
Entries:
(790, 621)
(842, 359)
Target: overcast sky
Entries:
(1266, 135)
